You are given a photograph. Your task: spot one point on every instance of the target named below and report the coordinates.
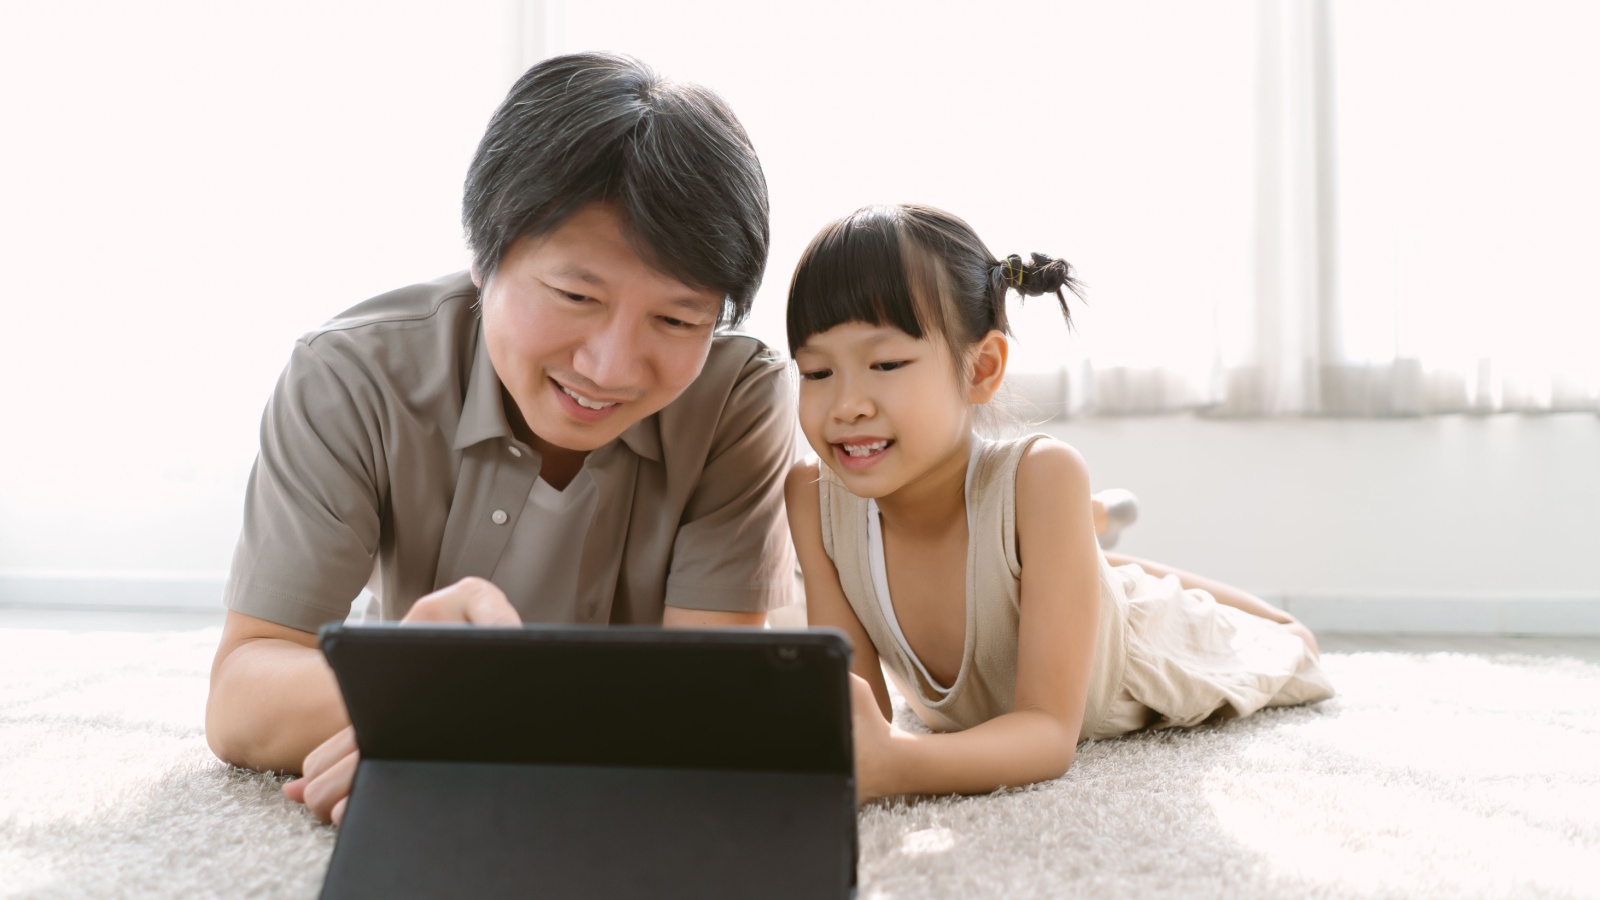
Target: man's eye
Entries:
(678, 324)
(889, 366)
(816, 374)
(575, 298)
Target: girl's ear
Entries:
(986, 367)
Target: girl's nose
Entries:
(851, 404)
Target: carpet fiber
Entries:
(1431, 775)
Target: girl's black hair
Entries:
(918, 269)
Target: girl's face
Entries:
(880, 407)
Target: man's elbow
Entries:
(221, 737)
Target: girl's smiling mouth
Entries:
(858, 454)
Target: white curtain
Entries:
(1469, 207)
(186, 187)
(1289, 207)
(1425, 208)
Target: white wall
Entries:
(1368, 524)
(1452, 524)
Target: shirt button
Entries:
(515, 452)
(499, 517)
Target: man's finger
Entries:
(474, 601)
(330, 751)
(490, 607)
(326, 790)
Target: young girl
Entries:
(969, 567)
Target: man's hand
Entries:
(328, 772)
(472, 600)
(330, 769)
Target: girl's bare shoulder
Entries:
(1048, 467)
(800, 485)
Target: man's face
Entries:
(586, 337)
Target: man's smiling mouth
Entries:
(583, 401)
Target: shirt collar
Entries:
(483, 417)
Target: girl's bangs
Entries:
(854, 271)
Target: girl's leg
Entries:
(1114, 510)
(1226, 594)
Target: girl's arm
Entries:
(1055, 653)
(826, 605)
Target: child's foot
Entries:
(1114, 510)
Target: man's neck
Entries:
(557, 465)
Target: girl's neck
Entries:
(934, 501)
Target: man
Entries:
(559, 435)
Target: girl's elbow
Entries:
(1061, 760)
(1063, 747)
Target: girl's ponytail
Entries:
(1044, 275)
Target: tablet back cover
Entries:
(573, 761)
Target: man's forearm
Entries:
(272, 701)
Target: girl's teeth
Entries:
(865, 449)
(584, 402)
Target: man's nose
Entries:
(612, 357)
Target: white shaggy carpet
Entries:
(1431, 775)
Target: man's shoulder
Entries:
(412, 347)
(448, 302)
(737, 357)
(740, 371)
(743, 388)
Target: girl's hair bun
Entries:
(1043, 275)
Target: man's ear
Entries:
(986, 367)
(477, 280)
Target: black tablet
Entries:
(577, 761)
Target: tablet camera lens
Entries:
(788, 654)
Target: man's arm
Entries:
(273, 698)
(311, 525)
(731, 556)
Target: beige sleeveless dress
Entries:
(1164, 656)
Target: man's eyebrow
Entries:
(697, 304)
(573, 270)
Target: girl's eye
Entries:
(575, 298)
(889, 366)
(816, 374)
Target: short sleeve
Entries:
(311, 513)
(732, 552)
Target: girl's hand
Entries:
(874, 740)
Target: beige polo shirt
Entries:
(385, 448)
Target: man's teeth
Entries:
(583, 401)
(865, 449)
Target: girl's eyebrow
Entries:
(870, 341)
